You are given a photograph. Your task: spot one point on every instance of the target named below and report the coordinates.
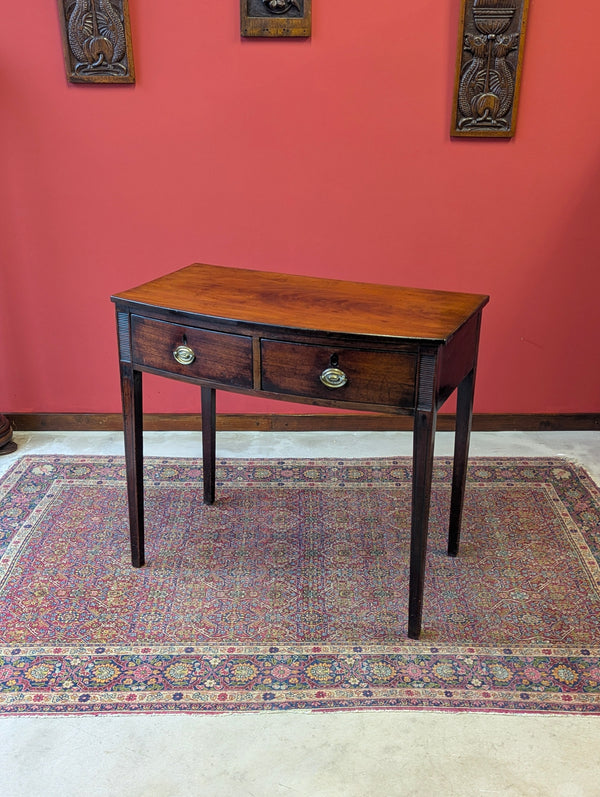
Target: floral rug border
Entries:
(216, 679)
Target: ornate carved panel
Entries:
(488, 69)
(97, 41)
(275, 17)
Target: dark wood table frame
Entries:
(324, 342)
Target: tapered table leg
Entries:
(208, 443)
(464, 415)
(131, 394)
(423, 444)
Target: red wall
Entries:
(326, 157)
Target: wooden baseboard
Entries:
(351, 422)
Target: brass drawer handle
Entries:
(184, 355)
(333, 377)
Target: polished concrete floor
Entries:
(366, 754)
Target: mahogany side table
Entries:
(324, 342)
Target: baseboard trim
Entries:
(350, 422)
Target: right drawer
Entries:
(386, 378)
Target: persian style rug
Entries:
(290, 592)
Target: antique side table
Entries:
(324, 342)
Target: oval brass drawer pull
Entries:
(333, 377)
(184, 355)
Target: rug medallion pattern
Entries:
(291, 590)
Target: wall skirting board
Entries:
(351, 422)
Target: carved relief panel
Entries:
(273, 18)
(96, 38)
(488, 69)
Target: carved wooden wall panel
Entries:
(488, 69)
(97, 41)
(275, 17)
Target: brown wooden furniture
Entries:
(7, 445)
(325, 342)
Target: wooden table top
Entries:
(309, 303)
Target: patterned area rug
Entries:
(291, 591)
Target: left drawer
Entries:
(202, 354)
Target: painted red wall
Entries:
(326, 157)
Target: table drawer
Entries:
(386, 378)
(213, 356)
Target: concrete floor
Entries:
(366, 754)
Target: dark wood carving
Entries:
(7, 445)
(96, 38)
(274, 18)
(488, 67)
